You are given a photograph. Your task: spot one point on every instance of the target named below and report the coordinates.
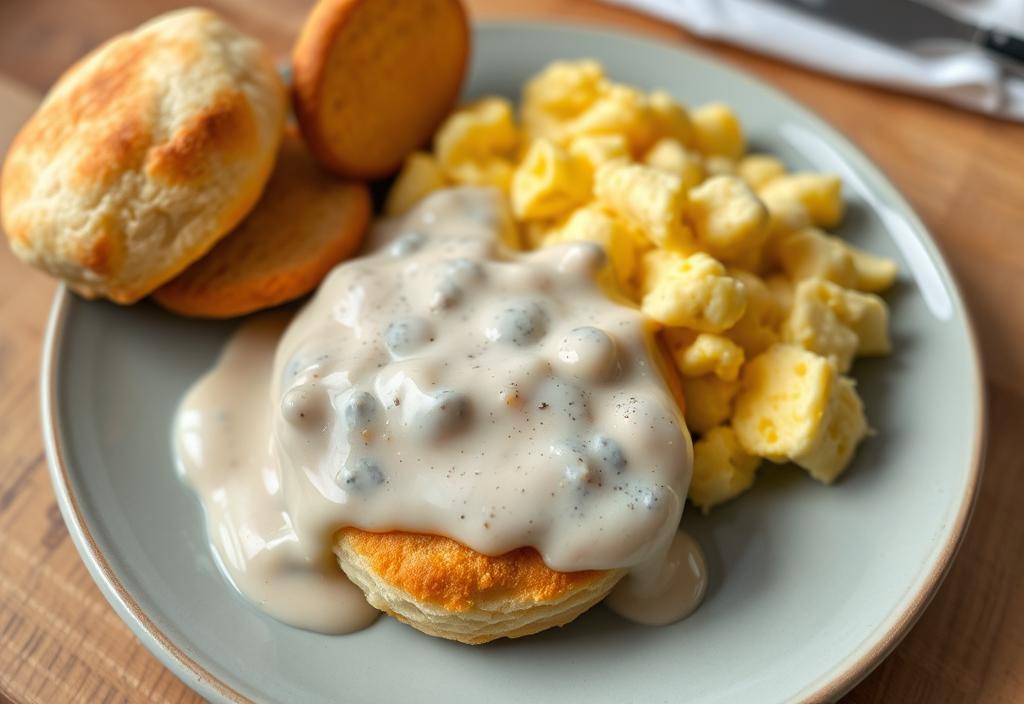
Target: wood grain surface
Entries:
(964, 173)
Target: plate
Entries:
(811, 586)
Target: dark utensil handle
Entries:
(1002, 43)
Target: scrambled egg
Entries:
(758, 327)
(651, 199)
(728, 218)
(837, 323)
(717, 131)
(810, 253)
(710, 354)
(818, 194)
(547, 182)
(758, 169)
(593, 151)
(476, 145)
(794, 406)
(709, 402)
(670, 155)
(722, 469)
(698, 294)
(763, 311)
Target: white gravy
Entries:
(663, 591)
(444, 384)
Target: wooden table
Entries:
(59, 641)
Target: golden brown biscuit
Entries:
(307, 221)
(143, 155)
(372, 79)
(445, 589)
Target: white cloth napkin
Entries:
(955, 72)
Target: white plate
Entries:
(811, 586)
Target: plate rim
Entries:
(186, 668)
(862, 659)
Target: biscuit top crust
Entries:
(143, 154)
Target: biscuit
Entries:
(307, 221)
(372, 79)
(445, 589)
(143, 155)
